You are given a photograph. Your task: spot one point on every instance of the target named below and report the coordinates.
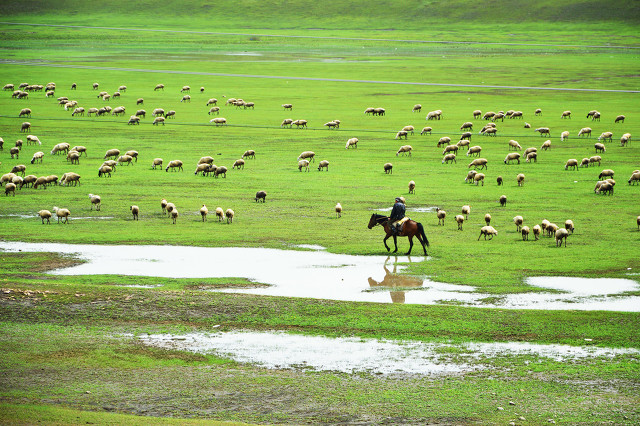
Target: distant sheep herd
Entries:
(16, 179)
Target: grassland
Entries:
(58, 345)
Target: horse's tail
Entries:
(422, 234)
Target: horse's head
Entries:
(376, 219)
(372, 221)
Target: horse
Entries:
(410, 229)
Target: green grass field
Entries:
(329, 67)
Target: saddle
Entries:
(400, 223)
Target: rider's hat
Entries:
(399, 199)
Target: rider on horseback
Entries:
(397, 214)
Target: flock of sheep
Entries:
(16, 179)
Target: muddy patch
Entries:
(278, 350)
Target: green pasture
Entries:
(69, 332)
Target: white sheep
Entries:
(479, 177)
(10, 187)
(566, 114)
(467, 125)
(62, 214)
(426, 130)
(174, 215)
(448, 158)
(532, 156)
(474, 151)
(37, 157)
(250, 153)
(173, 165)
(203, 212)
(303, 164)
(127, 159)
(568, 225)
(619, 119)
(463, 143)
(470, 175)
(544, 131)
(571, 163)
(239, 163)
(112, 153)
(520, 179)
(164, 204)
(288, 107)
(560, 235)
(538, 111)
(525, 233)
(624, 139)
(607, 173)
(158, 120)
(518, 220)
(61, 147)
(412, 187)
(416, 108)
(212, 101)
(388, 168)
(459, 221)
(487, 219)
(219, 214)
(546, 145)
(45, 214)
(404, 149)
(229, 214)
(595, 159)
(477, 113)
(338, 209)
(222, 170)
(515, 145)
(585, 131)
(352, 142)
(69, 179)
(324, 164)
(503, 200)
(408, 129)
(512, 156)
(332, 125)
(219, 121)
(536, 232)
(450, 148)
(606, 135)
(635, 178)
(599, 147)
(105, 170)
(185, 89)
(487, 231)
(466, 210)
(287, 122)
(157, 162)
(564, 135)
(445, 140)
(478, 162)
(401, 134)
(300, 123)
(186, 98)
(307, 155)
(441, 215)
(95, 201)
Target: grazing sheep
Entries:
(584, 162)
(404, 149)
(62, 214)
(606, 135)
(466, 135)
(624, 139)
(202, 168)
(462, 143)
(324, 164)
(551, 229)
(516, 114)
(300, 123)
(518, 221)
(441, 216)
(28, 180)
(503, 200)
(560, 235)
(163, 204)
(95, 201)
(70, 178)
(478, 162)
(220, 213)
(186, 98)
(488, 115)
(352, 142)
(512, 156)
(173, 165)
(252, 106)
(566, 114)
(260, 195)
(174, 215)
(170, 114)
(564, 135)
(619, 119)
(132, 154)
(449, 157)
(538, 111)
(499, 180)
(219, 121)
(134, 120)
(571, 163)
(215, 110)
(599, 147)
(635, 178)
(401, 134)
(477, 113)
(607, 173)
(544, 131)
(515, 145)
(25, 127)
(434, 115)
(459, 221)
(546, 145)
(331, 125)
(450, 148)
(474, 151)
(500, 116)
(487, 219)
(118, 111)
(8, 177)
(287, 122)
(51, 180)
(532, 156)
(158, 112)
(229, 214)
(116, 95)
(470, 175)
(527, 125)
(596, 116)
(212, 101)
(157, 162)
(169, 208)
(203, 212)
(595, 159)
(10, 187)
(15, 151)
(479, 177)
(307, 155)
(520, 179)
(73, 157)
(536, 232)
(586, 131)
(416, 108)
(467, 125)
(338, 209)
(8, 87)
(239, 163)
(409, 129)
(222, 170)
(112, 153)
(426, 130)
(45, 214)
(288, 107)
(303, 164)
(37, 157)
(412, 187)
(185, 89)
(487, 231)
(568, 225)
(525, 233)
(491, 131)
(388, 168)
(445, 140)
(25, 112)
(466, 210)
(158, 120)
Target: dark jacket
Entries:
(397, 212)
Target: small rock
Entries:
(512, 423)
(521, 418)
(588, 340)
(500, 408)
(512, 403)
(88, 392)
(551, 421)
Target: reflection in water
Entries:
(392, 281)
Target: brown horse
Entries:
(410, 229)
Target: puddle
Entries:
(411, 209)
(53, 219)
(280, 350)
(310, 246)
(318, 274)
(141, 285)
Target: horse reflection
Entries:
(392, 281)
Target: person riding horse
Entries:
(397, 214)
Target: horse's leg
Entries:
(385, 242)
(419, 237)
(410, 244)
(395, 243)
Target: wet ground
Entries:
(315, 273)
